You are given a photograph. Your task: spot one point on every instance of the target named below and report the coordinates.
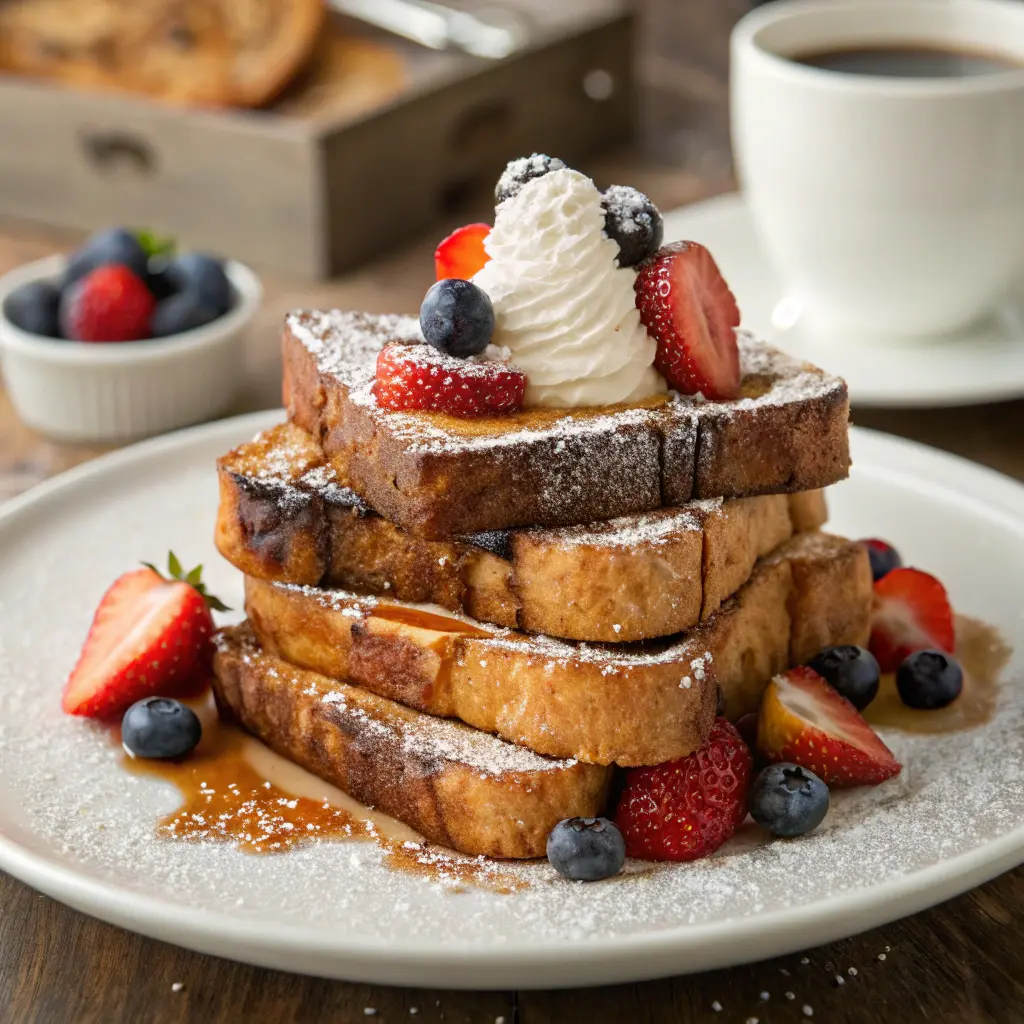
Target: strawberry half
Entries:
(688, 309)
(805, 721)
(911, 613)
(421, 377)
(686, 809)
(462, 253)
(150, 635)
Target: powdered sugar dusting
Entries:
(431, 743)
(615, 657)
(345, 345)
(630, 532)
(63, 792)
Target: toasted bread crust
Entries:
(210, 52)
(440, 476)
(603, 704)
(495, 800)
(283, 517)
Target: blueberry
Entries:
(457, 317)
(115, 245)
(851, 670)
(884, 557)
(181, 312)
(634, 222)
(205, 274)
(929, 679)
(33, 307)
(788, 800)
(159, 727)
(586, 849)
(526, 168)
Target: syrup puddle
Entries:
(984, 654)
(236, 790)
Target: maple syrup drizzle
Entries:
(226, 799)
(983, 654)
(420, 619)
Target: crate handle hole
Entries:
(110, 152)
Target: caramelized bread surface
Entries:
(600, 703)
(457, 786)
(284, 517)
(440, 476)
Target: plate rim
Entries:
(617, 958)
(733, 204)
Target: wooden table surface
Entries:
(960, 962)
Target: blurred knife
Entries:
(491, 32)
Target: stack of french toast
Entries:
(476, 589)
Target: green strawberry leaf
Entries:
(174, 566)
(194, 578)
(154, 244)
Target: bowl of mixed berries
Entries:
(124, 338)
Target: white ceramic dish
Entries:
(983, 365)
(73, 391)
(75, 826)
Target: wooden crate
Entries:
(382, 138)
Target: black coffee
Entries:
(908, 62)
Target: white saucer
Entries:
(986, 365)
(75, 825)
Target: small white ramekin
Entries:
(118, 391)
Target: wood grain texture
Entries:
(960, 963)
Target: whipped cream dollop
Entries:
(563, 307)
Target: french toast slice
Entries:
(209, 52)
(611, 703)
(439, 476)
(459, 787)
(283, 517)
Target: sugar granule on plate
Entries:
(806, 1010)
(177, 986)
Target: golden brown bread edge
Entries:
(463, 789)
(603, 704)
(440, 476)
(282, 517)
(207, 52)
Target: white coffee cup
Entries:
(891, 207)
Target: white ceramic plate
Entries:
(985, 365)
(75, 826)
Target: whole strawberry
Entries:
(110, 303)
(686, 809)
(150, 635)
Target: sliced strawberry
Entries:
(462, 253)
(686, 809)
(421, 377)
(912, 613)
(150, 635)
(805, 721)
(688, 309)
